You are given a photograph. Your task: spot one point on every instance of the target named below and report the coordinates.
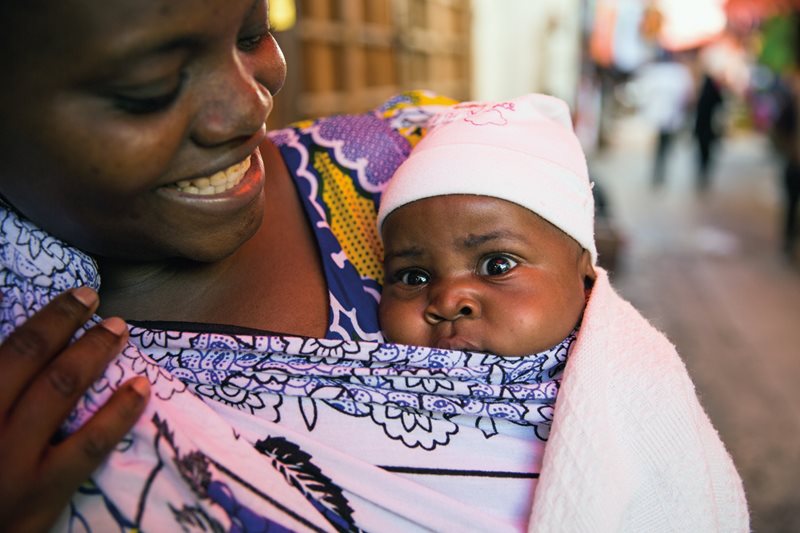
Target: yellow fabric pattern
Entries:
(351, 212)
(352, 218)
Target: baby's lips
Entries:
(458, 343)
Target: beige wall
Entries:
(522, 46)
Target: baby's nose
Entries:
(452, 303)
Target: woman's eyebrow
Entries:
(254, 7)
(121, 61)
(184, 42)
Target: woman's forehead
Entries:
(60, 28)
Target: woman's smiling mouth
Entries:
(217, 183)
(222, 193)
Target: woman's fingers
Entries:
(72, 461)
(83, 451)
(52, 394)
(41, 378)
(33, 499)
(31, 346)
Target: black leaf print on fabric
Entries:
(297, 468)
(308, 408)
(196, 519)
(194, 468)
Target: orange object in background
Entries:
(652, 22)
(601, 46)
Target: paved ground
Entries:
(706, 269)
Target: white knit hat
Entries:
(523, 151)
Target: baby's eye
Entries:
(413, 276)
(496, 265)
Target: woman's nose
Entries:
(268, 65)
(234, 106)
(450, 303)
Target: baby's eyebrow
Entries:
(472, 240)
(404, 253)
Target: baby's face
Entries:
(116, 115)
(481, 274)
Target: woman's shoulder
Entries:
(398, 123)
(359, 150)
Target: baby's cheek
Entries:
(399, 322)
(528, 330)
(385, 318)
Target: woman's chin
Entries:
(222, 243)
(187, 242)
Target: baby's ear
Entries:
(586, 269)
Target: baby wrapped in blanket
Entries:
(488, 230)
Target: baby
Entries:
(488, 230)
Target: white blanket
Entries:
(631, 449)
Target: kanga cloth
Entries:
(366, 421)
(457, 438)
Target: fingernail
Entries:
(115, 325)
(141, 386)
(86, 296)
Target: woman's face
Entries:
(130, 128)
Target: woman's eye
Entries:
(252, 42)
(413, 276)
(141, 106)
(144, 101)
(496, 265)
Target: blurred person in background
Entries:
(785, 139)
(665, 91)
(707, 129)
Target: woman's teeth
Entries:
(219, 182)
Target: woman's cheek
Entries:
(127, 152)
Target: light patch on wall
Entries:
(690, 23)
(282, 14)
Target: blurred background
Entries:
(688, 112)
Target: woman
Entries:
(134, 148)
(142, 107)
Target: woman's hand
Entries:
(41, 379)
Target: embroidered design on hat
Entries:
(489, 117)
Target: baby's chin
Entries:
(469, 344)
(499, 349)
(465, 344)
